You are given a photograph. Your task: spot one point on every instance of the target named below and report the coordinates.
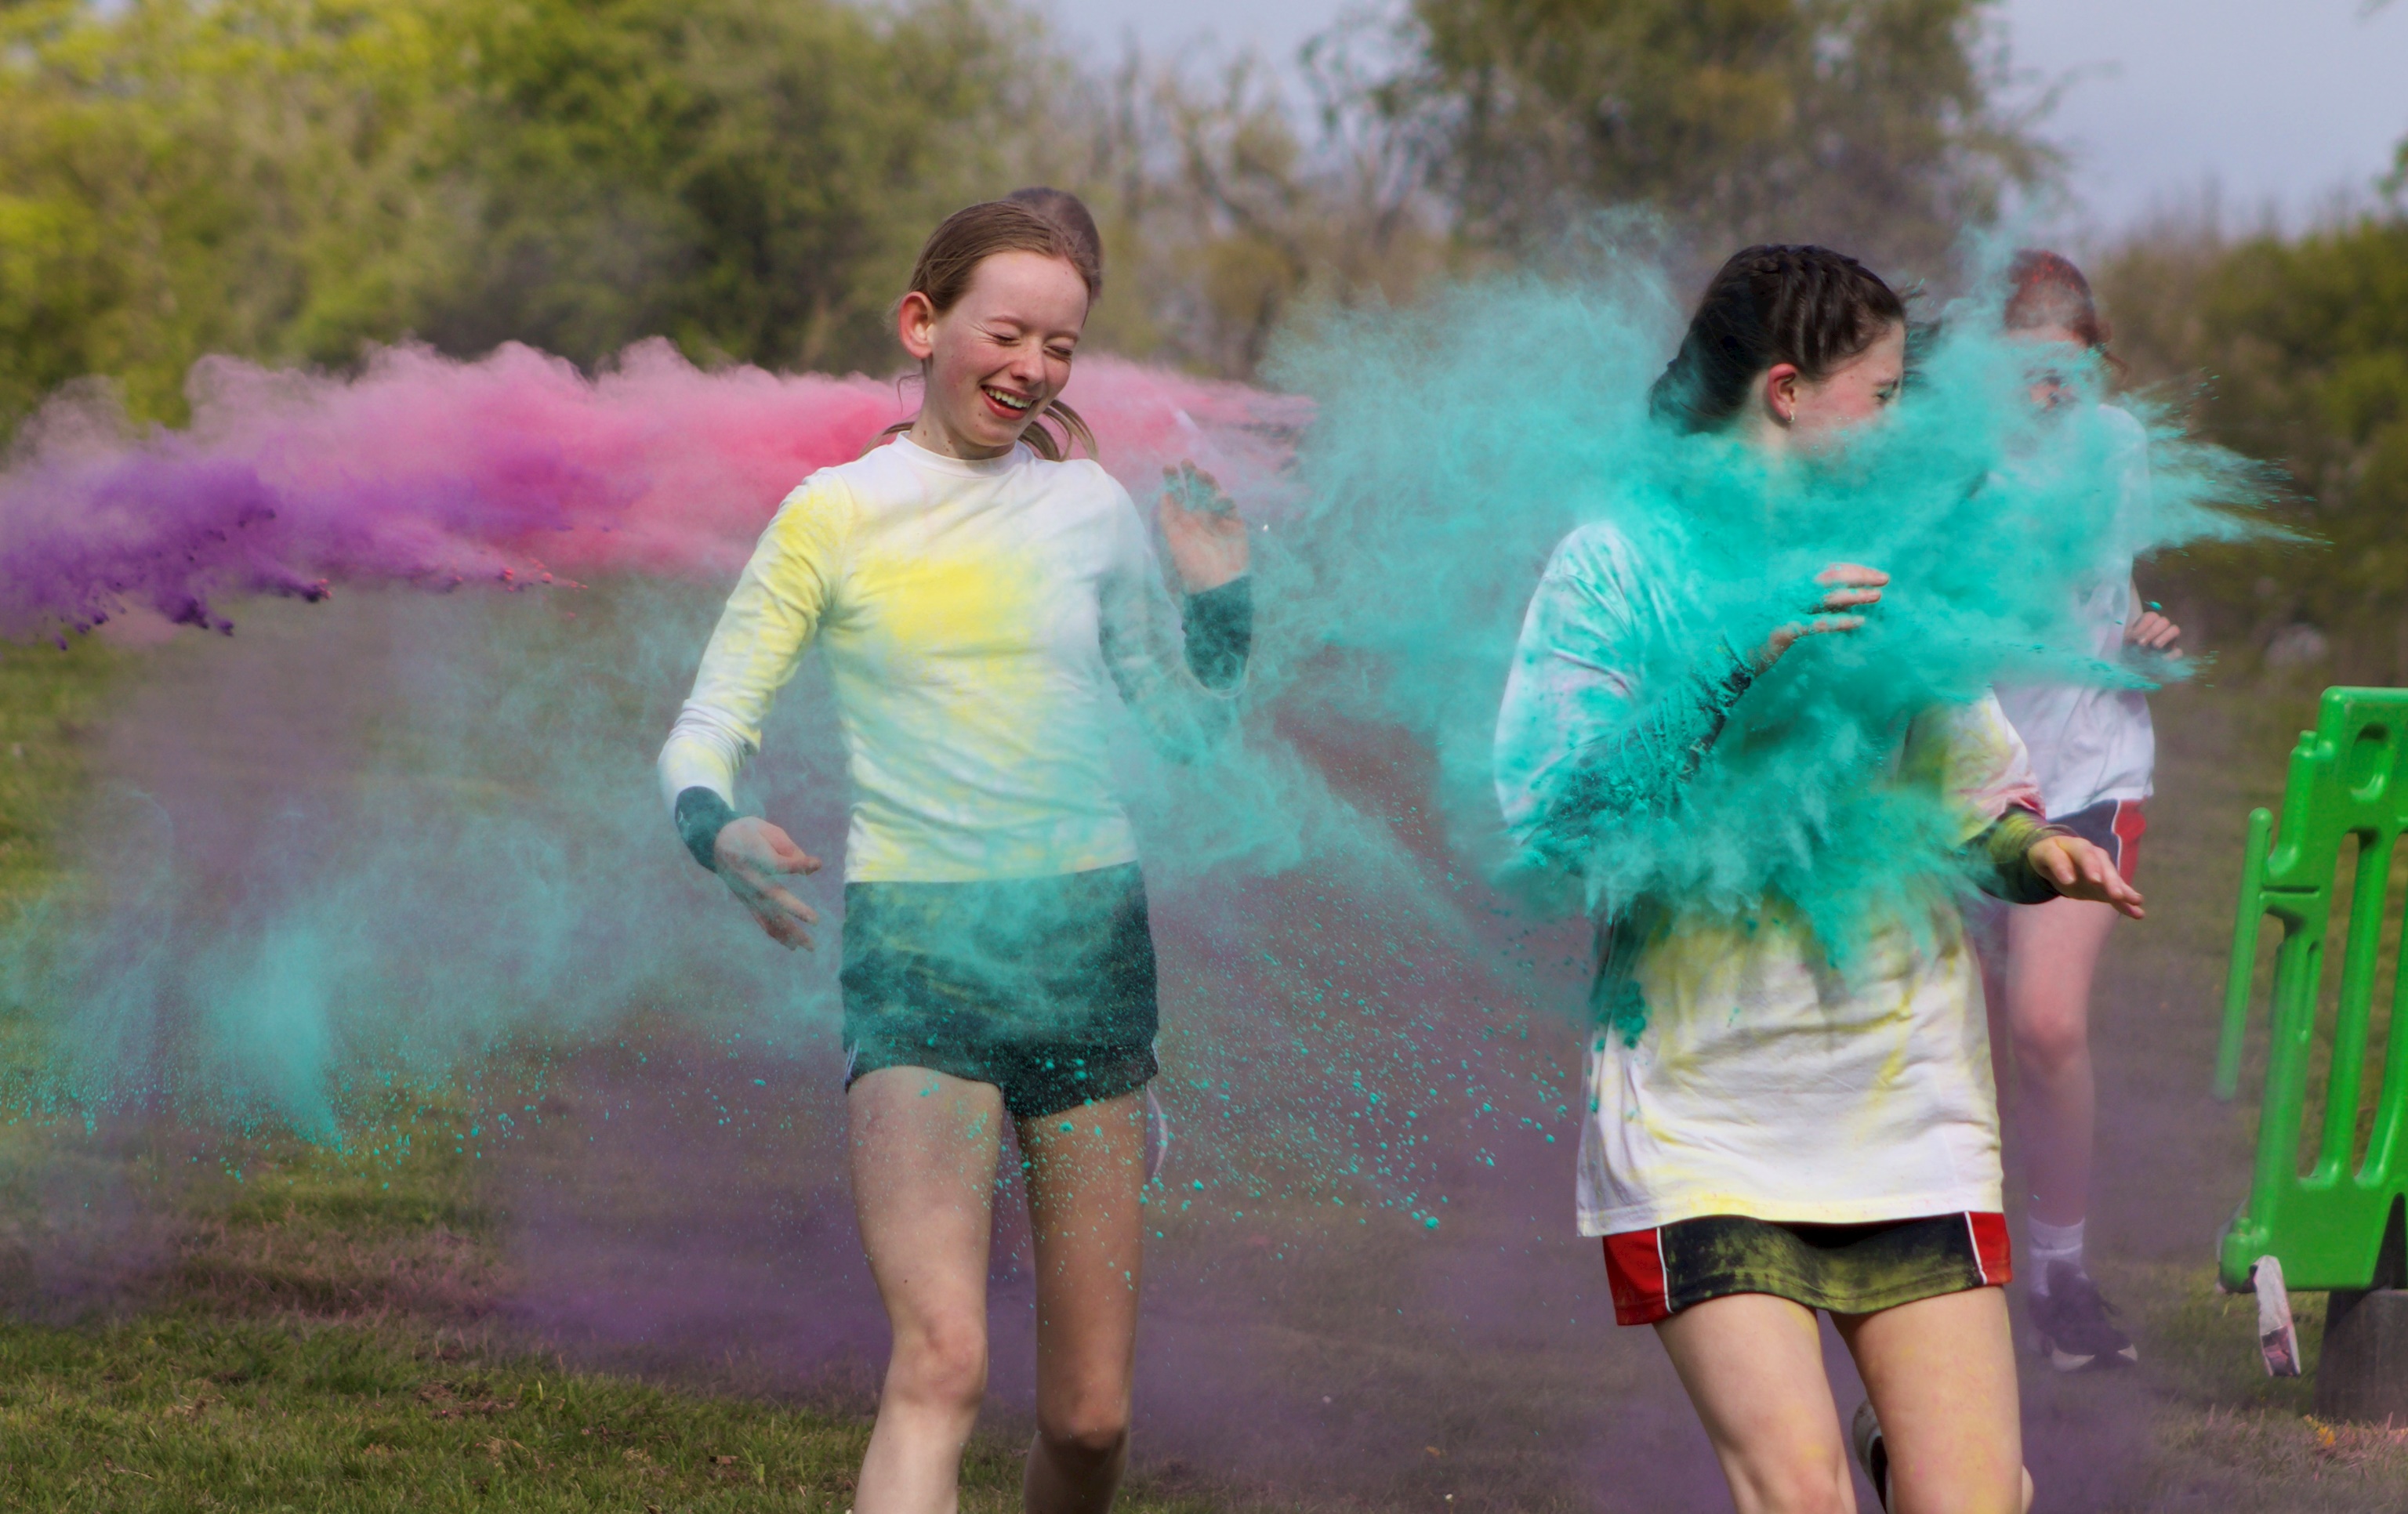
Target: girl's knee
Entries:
(1810, 1480)
(2049, 1044)
(941, 1367)
(1097, 1430)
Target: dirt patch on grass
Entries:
(306, 1268)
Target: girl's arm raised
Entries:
(1578, 738)
(1182, 685)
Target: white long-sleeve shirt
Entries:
(1763, 1083)
(2091, 744)
(975, 615)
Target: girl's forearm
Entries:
(1643, 767)
(1219, 632)
(2001, 858)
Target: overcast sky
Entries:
(2280, 103)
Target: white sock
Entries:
(2048, 1243)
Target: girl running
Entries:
(977, 596)
(2092, 750)
(1774, 1140)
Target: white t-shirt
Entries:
(975, 615)
(2090, 745)
(1762, 1084)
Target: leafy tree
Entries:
(750, 178)
(177, 179)
(2298, 352)
(1870, 125)
(289, 179)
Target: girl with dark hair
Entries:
(1765, 1138)
(2093, 751)
(978, 593)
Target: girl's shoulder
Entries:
(1598, 552)
(881, 470)
(2126, 435)
(1082, 478)
(2122, 423)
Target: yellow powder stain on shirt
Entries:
(953, 607)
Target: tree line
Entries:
(295, 180)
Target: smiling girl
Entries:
(1766, 1137)
(978, 598)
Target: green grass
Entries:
(185, 1410)
(296, 1325)
(48, 703)
(316, 1333)
(273, 1324)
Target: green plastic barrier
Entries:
(2325, 1225)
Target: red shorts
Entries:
(2112, 826)
(1847, 1269)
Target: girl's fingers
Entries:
(784, 932)
(1854, 574)
(2057, 859)
(784, 918)
(795, 860)
(792, 905)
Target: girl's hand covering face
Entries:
(756, 857)
(998, 357)
(2081, 871)
(1201, 527)
(1848, 587)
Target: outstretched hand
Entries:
(755, 856)
(2079, 870)
(1848, 586)
(1202, 526)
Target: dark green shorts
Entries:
(1043, 987)
(1847, 1269)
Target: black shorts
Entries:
(1847, 1269)
(1043, 987)
(2112, 826)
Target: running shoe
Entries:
(1871, 1451)
(2077, 1327)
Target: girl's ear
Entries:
(1781, 392)
(915, 325)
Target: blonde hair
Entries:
(1049, 221)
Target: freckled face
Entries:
(1853, 394)
(996, 359)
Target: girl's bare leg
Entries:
(1752, 1364)
(1941, 1376)
(1087, 1171)
(2052, 953)
(924, 1149)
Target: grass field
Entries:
(207, 1319)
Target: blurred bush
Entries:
(291, 179)
(2293, 349)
